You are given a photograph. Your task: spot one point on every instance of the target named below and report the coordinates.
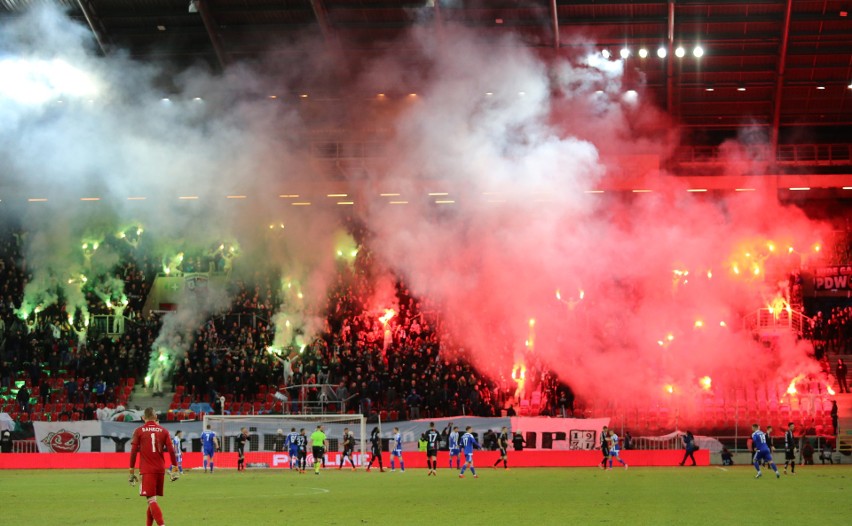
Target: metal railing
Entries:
(774, 319)
(816, 154)
(24, 446)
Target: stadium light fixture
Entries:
(680, 52)
(643, 53)
(39, 81)
(605, 53)
(698, 52)
(741, 87)
(661, 52)
(820, 87)
(625, 53)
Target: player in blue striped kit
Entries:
(292, 445)
(397, 450)
(761, 451)
(176, 440)
(468, 444)
(455, 451)
(615, 449)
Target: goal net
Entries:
(268, 437)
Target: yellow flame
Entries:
(791, 389)
(829, 390)
(669, 388)
(558, 295)
(722, 324)
(699, 323)
(388, 315)
(706, 383)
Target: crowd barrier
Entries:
(635, 458)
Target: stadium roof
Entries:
(784, 66)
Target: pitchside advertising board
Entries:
(561, 434)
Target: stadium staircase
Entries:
(142, 398)
(768, 322)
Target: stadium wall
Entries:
(635, 458)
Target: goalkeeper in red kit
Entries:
(149, 442)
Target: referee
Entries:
(319, 443)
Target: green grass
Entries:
(658, 496)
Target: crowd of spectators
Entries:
(356, 358)
(356, 361)
(68, 362)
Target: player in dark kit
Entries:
(604, 446)
(301, 450)
(789, 449)
(376, 449)
(503, 445)
(242, 440)
(149, 442)
(348, 447)
(432, 439)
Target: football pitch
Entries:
(677, 496)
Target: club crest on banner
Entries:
(62, 441)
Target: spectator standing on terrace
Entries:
(834, 416)
(23, 399)
(840, 372)
(414, 402)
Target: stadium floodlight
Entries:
(680, 52)
(37, 81)
(643, 53)
(605, 53)
(625, 53)
(661, 52)
(698, 52)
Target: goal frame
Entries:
(357, 423)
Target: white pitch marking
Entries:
(723, 469)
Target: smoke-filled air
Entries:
(486, 203)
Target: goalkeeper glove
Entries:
(133, 479)
(173, 474)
